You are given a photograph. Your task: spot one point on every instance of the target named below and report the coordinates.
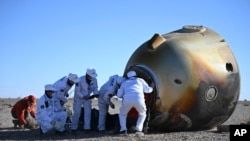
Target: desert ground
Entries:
(8, 132)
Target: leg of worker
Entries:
(45, 126)
(141, 109)
(77, 106)
(124, 109)
(87, 114)
(103, 109)
(61, 117)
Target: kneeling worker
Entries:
(50, 113)
(108, 90)
(22, 109)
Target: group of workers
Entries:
(50, 112)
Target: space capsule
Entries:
(196, 79)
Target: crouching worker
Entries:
(22, 110)
(108, 90)
(132, 91)
(63, 86)
(50, 114)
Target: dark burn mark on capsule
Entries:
(178, 81)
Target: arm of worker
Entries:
(120, 92)
(60, 94)
(95, 87)
(80, 92)
(146, 87)
(32, 111)
(61, 89)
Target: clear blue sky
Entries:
(42, 41)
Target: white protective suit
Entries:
(132, 91)
(49, 109)
(83, 89)
(62, 88)
(110, 87)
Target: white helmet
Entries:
(91, 72)
(131, 74)
(73, 77)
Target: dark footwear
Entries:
(87, 131)
(40, 130)
(59, 132)
(133, 131)
(74, 131)
(112, 132)
(124, 132)
(102, 131)
(16, 123)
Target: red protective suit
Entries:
(22, 106)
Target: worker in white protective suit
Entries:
(132, 92)
(63, 85)
(50, 114)
(86, 85)
(108, 90)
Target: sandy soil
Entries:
(7, 131)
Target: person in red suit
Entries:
(22, 109)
